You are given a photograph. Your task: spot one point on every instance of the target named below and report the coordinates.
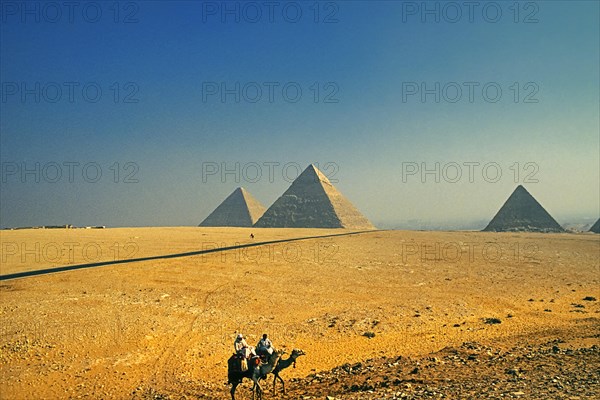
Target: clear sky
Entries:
(127, 113)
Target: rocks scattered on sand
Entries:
(149, 393)
(492, 321)
(471, 370)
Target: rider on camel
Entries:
(264, 346)
(242, 348)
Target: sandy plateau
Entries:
(381, 314)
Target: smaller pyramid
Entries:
(238, 209)
(596, 227)
(522, 213)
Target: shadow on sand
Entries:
(64, 268)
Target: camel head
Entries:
(298, 353)
(295, 354)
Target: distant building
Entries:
(596, 227)
(522, 213)
(240, 208)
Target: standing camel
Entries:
(283, 364)
(254, 372)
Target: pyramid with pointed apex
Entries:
(238, 209)
(313, 202)
(596, 227)
(522, 213)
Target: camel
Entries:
(254, 372)
(283, 364)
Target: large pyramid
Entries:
(239, 209)
(312, 202)
(596, 227)
(522, 212)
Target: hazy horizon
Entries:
(130, 118)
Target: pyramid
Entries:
(522, 213)
(313, 202)
(239, 209)
(596, 227)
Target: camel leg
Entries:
(275, 377)
(257, 389)
(233, 387)
(282, 384)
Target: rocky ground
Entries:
(470, 371)
(531, 369)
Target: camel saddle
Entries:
(241, 364)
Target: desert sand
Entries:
(164, 328)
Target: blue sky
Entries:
(170, 63)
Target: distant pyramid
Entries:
(239, 209)
(522, 212)
(312, 202)
(596, 227)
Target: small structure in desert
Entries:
(239, 209)
(596, 227)
(313, 202)
(522, 213)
